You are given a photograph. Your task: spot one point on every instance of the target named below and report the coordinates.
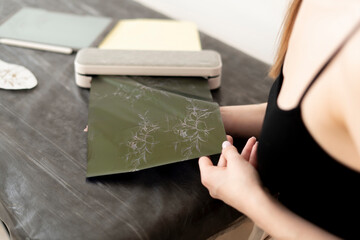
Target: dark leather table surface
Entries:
(43, 190)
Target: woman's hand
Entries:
(235, 178)
(235, 181)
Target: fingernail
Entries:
(226, 144)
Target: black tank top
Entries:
(308, 180)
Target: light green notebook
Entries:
(46, 30)
(142, 122)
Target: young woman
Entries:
(301, 180)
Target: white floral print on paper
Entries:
(140, 92)
(99, 96)
(192, 130)
(128, 94)
(15, 77)
(142, 142)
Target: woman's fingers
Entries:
(246, 152)
(253, 155)
(204, 163)
(207, 170)
(230, 139)
(222, 161)
(229, 152)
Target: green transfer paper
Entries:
(141, 122)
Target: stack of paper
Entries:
(153, 34)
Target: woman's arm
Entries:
(243, 120)
(278, 221)
(236, 182)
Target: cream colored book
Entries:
(153, 34)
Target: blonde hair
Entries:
(287, 27)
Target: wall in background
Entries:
(251, 26)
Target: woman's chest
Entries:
(318, 31)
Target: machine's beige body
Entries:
(94, 61)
